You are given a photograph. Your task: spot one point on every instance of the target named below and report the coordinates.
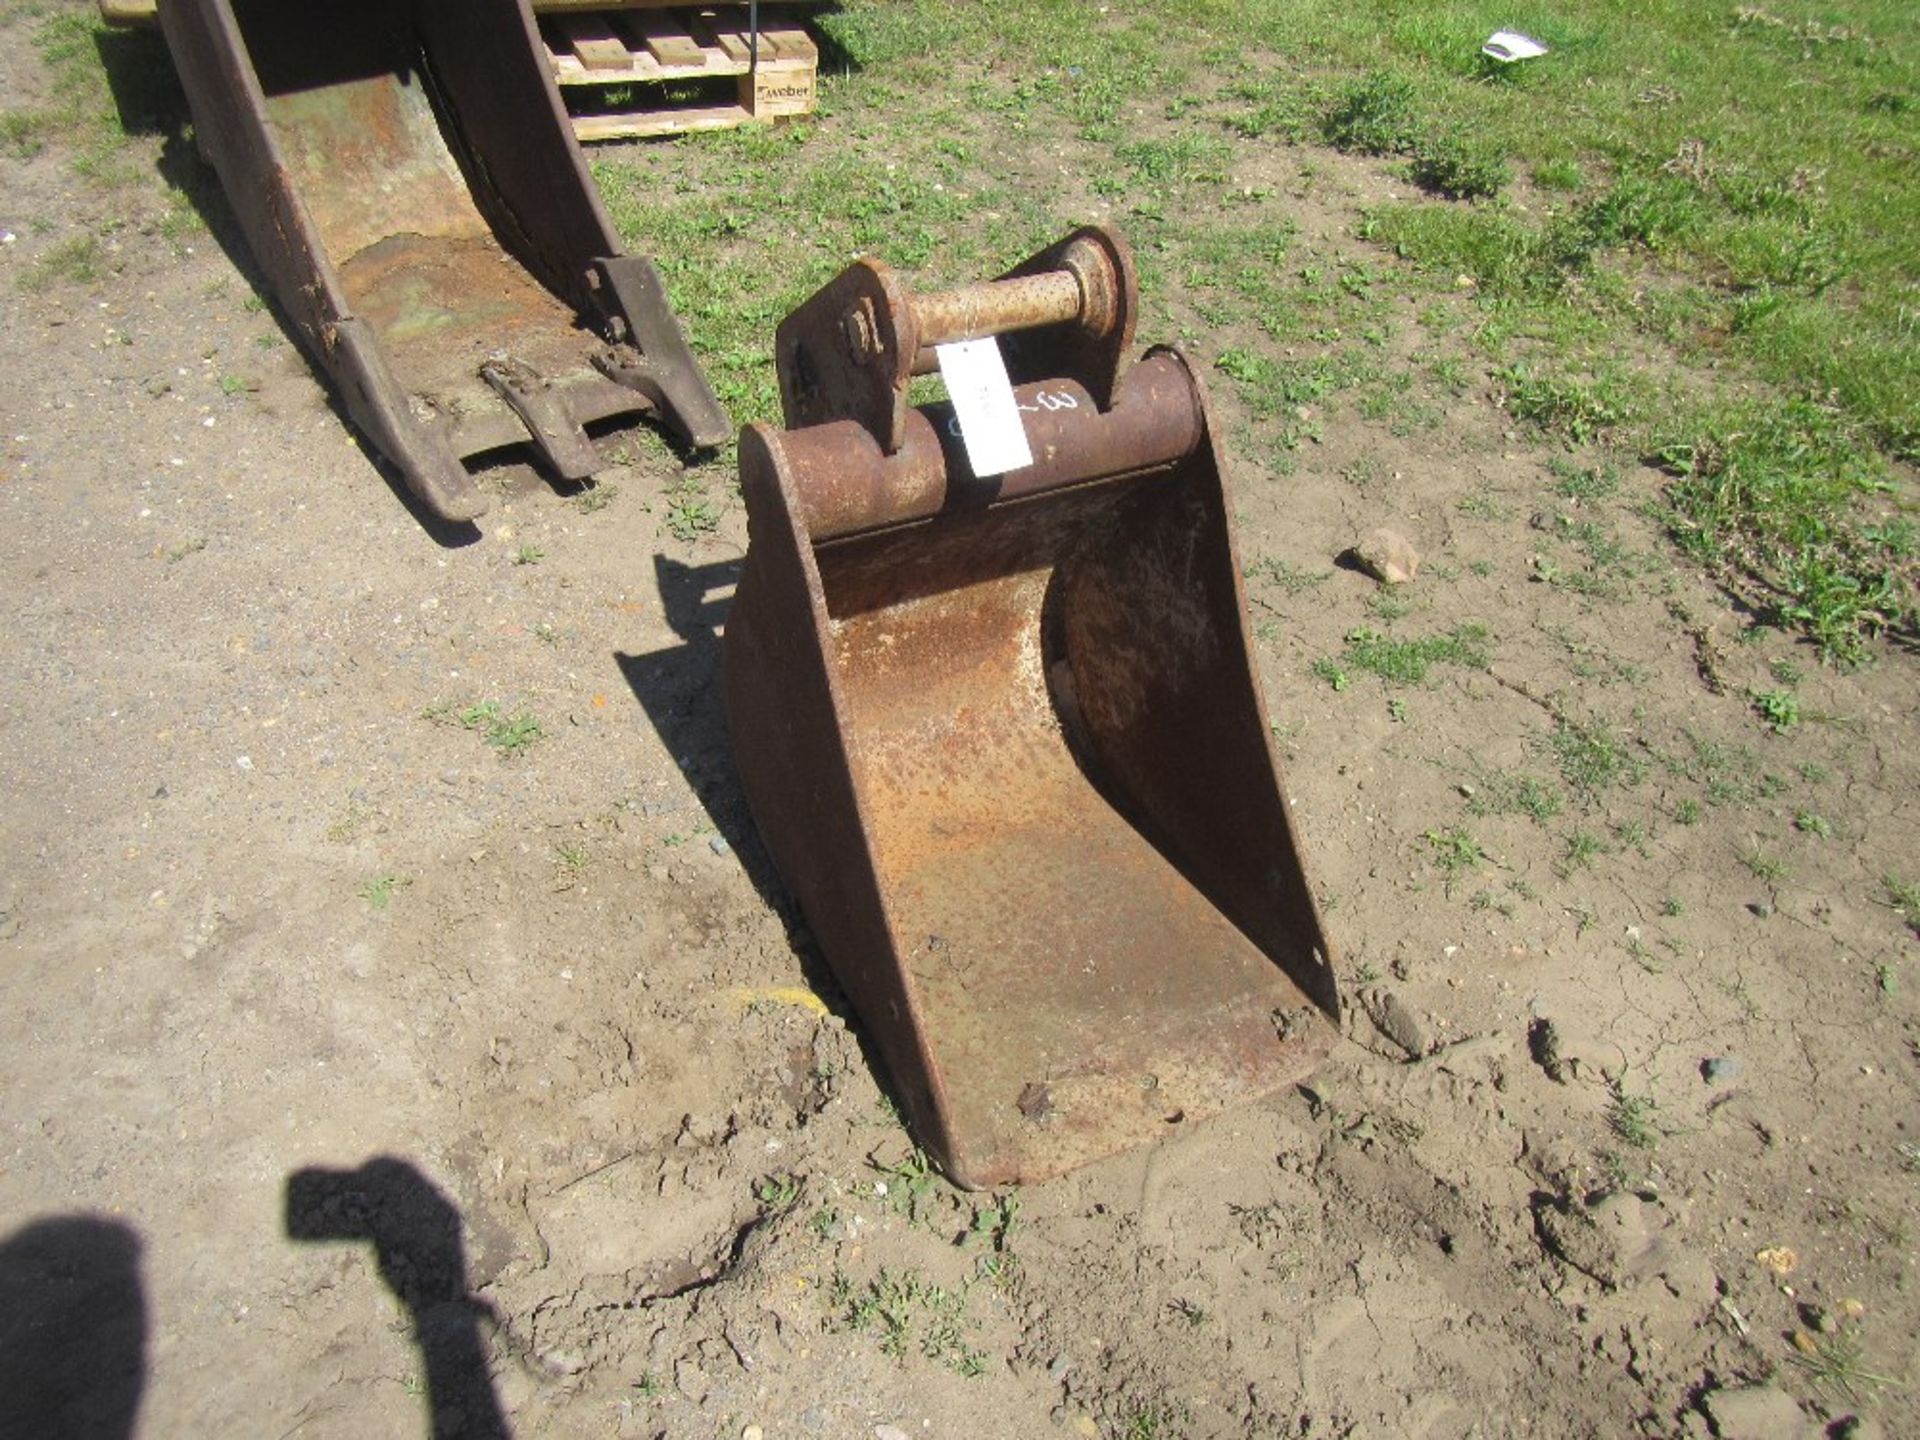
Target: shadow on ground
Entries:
(415, 1233)
(73, 1330)
(682, 692)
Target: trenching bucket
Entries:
(407, 178)
(1003, 736)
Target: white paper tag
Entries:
(1507, 46)
(983, 403)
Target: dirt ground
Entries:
(364, 1078)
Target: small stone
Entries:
(1756, 1412)
(752, 1432)
(1761, 909)
(1720, 1070)
(718, 844)
(1858, 1427)
(888, 1432)
(1782, 1260)
(1395, 1019)
(1388, 556)
(1614, 1241)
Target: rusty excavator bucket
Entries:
(407, 178)
(1003, 735)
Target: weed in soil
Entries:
(1455, 851)
(1837, 1366)
(1904, 896)
(1592, 757)
(1631, 1118)
(509, 734)
(1406, 662)
(909, 1313)
(380, 890)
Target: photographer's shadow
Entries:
(73, 1330)
(415, 1233)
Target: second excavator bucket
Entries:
(1003, 735)
(407, 179)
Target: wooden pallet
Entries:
(651, 48)
(613, 43)
(147, 12)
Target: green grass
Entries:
(1713, 265)
(1737, 201)
(1407, 662)
(1779, 708)
(1632, 1118)
(1513, 792)
(1748, 206)
(1376, 114)
(77, 260)
(1756, 161)
(911, 1187)
(777, 1194)
(1583, 484)
(596, 497)
(1284, 576)
(1583, 846)
(911, 1314)
(509, 734)
(1576, 409)
(96, 118)
(1729, 774)
(1456, 852)
(1837, 1366)
(1156, 1421)
(1330, 670)
(1790, 497)
(380, 890)
(1904, 897)
(690, 514)
(1593, 757)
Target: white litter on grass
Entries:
(1507, 46)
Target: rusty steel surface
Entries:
(1066, 313)
(996, 307)
(1005, 742)
(408, 181)
(848, 484)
